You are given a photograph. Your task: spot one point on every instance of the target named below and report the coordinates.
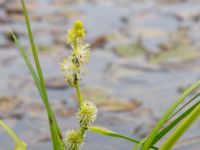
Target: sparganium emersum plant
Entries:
(73, 68)
(172, 124)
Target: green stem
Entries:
(80, 99)
(181, 129)
(83, 131)
(78, 92)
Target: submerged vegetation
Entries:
(130, 50)
(177, 50)
(172, 125)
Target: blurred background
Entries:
(144, 53)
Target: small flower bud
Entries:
(73, 139)
(87, 113)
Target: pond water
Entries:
(143, 54)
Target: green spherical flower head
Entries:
(87, 113)
(73, 139)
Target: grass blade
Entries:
(186, 104)
(165, 130)
(19, 143)
(169, 127)
(167, 114)
(28, 64)
(181, 129)
(55, 131)
(107, 132)
(175, 122)
(32, 71)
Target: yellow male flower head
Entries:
(87, 113)
(73, 139)
(76, 33)
(79, 28)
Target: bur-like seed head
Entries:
(73, 139)
(87, 113)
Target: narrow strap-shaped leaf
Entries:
(28, 64)
(186, 104)
(181, 129)
(33, 47)
(164, 131)
(55, 131)
(169, 127)
(107, 132)
(174, 123)
(33, 73)
(19, 143)
(167, 114)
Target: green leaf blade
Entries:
(167, 114)
(181, 129)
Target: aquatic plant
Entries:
(73, 69)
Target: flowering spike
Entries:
(73, 67)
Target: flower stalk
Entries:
(78, 91)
